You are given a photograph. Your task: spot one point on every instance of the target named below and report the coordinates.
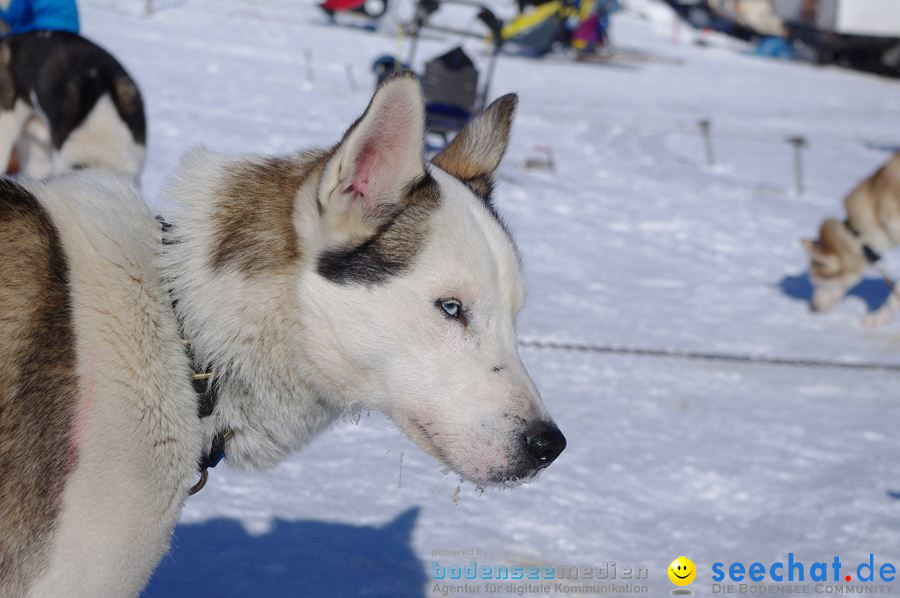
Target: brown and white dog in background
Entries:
(846, 249)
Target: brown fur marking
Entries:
(835, 253)
(127, 94)
(38, 384)
(254, 218)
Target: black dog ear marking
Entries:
(394, 246)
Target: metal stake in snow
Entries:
(350, 78)
(706, 130)
(799, 142)
(308, 61)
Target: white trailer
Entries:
(863, 33)
(877, 18)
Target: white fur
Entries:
(122, 500)
(101, 141)
(34, 149)
(308, 349)
(389, 348)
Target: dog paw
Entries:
(877, 319)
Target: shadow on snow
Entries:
(295, 558)
(873, 291)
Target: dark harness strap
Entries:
(871, 255)
(207, 390)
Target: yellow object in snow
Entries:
(527, 21)
(524, 22)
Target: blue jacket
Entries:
(23, 16)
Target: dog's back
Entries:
(68, 74)
(98, 425)
(874, 206)
(37, 382)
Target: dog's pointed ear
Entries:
(378, 160)
(475, 153)
(810, 246)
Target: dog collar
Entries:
(207, 390)
(870, 254)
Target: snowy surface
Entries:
(633, 241)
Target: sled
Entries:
(580, 24)
(372, 9)
(450, 81)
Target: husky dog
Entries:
(845, 249)
(66, 104)
(311, 285)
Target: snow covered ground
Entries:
(633, 241)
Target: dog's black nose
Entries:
(544, 442)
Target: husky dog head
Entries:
(364, 277)
(417, 285)
(837, 263)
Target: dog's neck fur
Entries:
(234, 275)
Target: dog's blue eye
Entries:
(451, 307)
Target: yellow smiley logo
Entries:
(682, 571)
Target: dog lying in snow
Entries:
(845, 249)
(67, 104)
(311, 286)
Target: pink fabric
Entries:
(342, 5)
(587, 31)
